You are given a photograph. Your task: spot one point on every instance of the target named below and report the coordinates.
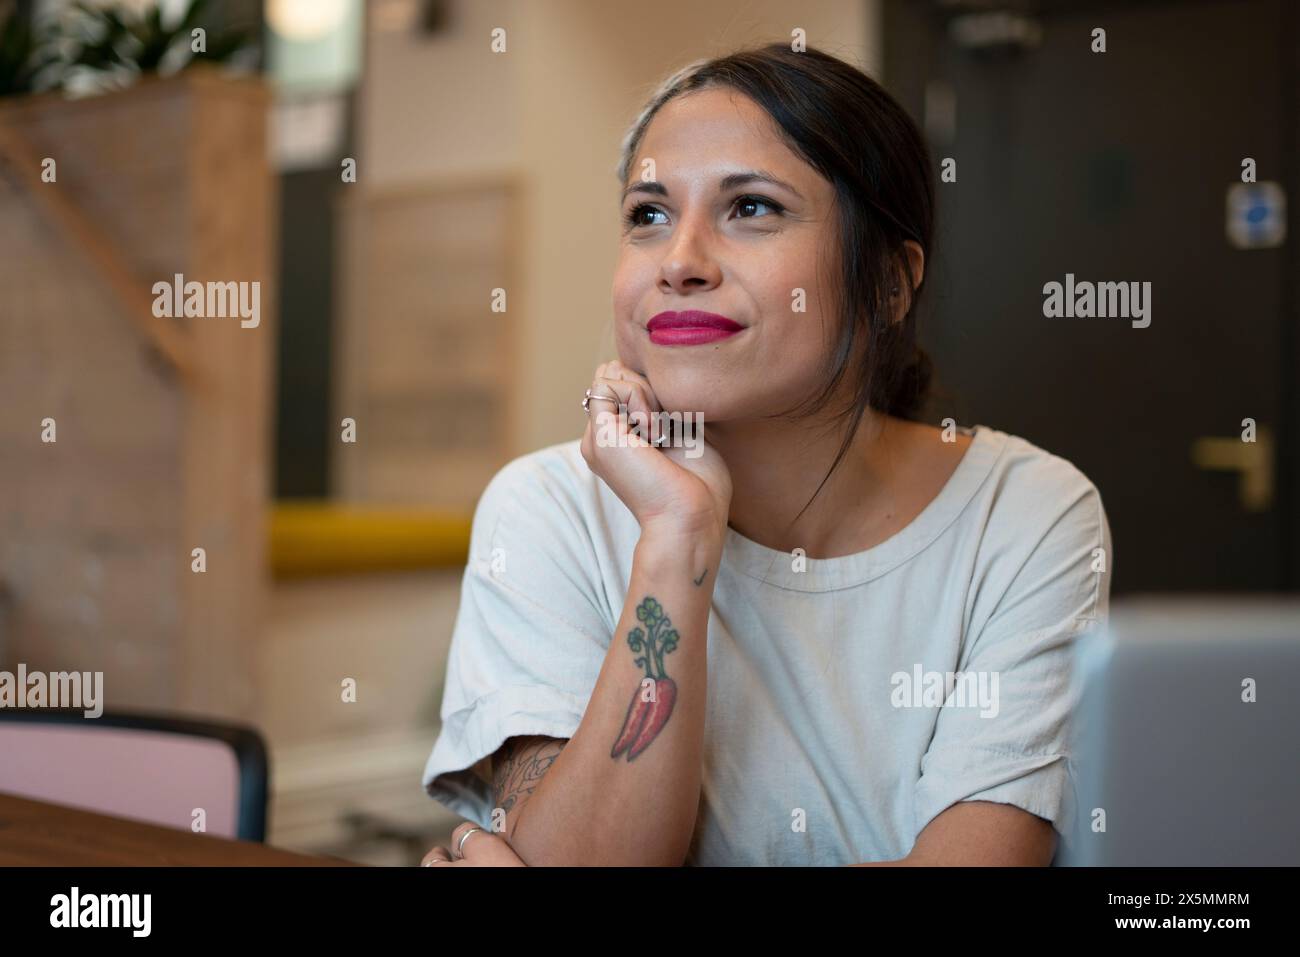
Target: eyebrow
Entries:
(728, 182)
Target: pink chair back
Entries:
(145, 775)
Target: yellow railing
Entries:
(326, 538)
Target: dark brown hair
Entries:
(845, 126)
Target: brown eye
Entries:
(633, 217)
(745, 202)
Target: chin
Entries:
(696, 380)
(676, 390)
(689, 391)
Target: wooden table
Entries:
(36, 834)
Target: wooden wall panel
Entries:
(169, 176)
(422, 362)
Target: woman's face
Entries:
(757, 252)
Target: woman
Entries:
(830, 634)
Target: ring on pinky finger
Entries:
(439, 855)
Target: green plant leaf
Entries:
(636, 639)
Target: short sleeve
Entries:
(530, 634)
(1056, 555)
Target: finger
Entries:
(602, 386)
(614, 369)
(460, 844)
(641, 422)
(660, 426)
(483, 849)
(635, 399)
(435, 857)
(599, 408)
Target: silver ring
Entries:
(460, 847)
(588, 396)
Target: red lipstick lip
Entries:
(692, 319)
(690, 328)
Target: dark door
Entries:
(1116, 167)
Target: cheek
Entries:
(796, 312)
(629, 291)
(629, 345)
(788, 282)
(793, 353)
(634, 276)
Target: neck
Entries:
(776, 466)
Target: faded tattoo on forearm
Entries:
(519, 768)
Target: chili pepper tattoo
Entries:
(646, 718)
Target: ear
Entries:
(916, 259)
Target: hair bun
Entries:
(913, 385)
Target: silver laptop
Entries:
(1187, 735)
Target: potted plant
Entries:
(94, 48)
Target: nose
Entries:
(689, 264)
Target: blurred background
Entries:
(425, 190)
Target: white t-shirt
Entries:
(834, 732)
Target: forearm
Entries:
(901, 862)
(980, 834)
(636, 807)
